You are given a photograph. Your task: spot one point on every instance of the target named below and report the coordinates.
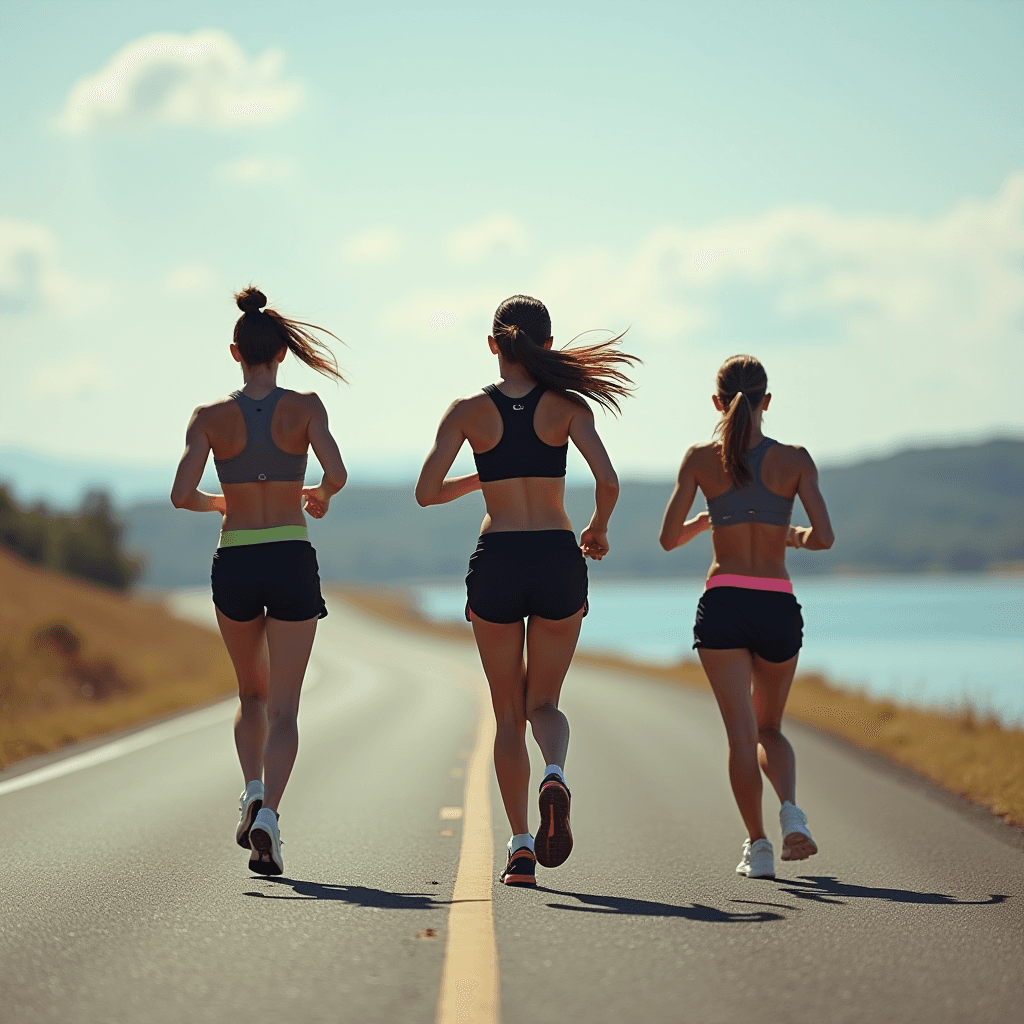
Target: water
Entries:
(932, 641)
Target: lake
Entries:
(931, 641)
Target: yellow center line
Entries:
(469, 981)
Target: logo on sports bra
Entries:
(519, 408)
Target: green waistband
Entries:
(236, 538)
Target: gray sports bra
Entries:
(753, 503)
(260, 459)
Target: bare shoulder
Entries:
(469, 406)
(793, 456)
(307, 402)
(701, 456)
(213, 411)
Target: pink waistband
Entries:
(749, 583)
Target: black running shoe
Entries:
(521, 868)
(553, 841)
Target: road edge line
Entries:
(469, 979)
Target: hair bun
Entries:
(250, 300)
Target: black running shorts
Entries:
(280, 579)
(530, 572)
(765, 622)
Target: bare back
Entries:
(259, 504)
(748, 549)
(528, 502)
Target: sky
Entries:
(835, 188)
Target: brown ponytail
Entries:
(742, 384)
(260, 334)
(521, 326)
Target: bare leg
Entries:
(772, 681)
(729, 673)
(247, 647)
(501, 654)
(289, 644)
(550, 645)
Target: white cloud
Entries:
(190, 279)
(256, 168)
(82, 376)
(166, 78)
(497, 235)
(374, 246)
(30, 277)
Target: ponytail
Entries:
(521, 326)
(260, 334)
(742, 385)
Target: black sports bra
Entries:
(520, 452)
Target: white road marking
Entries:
(183, 724)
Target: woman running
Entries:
(266, 583)
(527, 564)
(749, 630)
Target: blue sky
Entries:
(837, 188)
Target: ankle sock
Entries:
(554, 769)
(518, 842)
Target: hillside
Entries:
(78, 660)
(937, 509)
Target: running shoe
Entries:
(797, 843)
(249, 804)
(758, 860)
(521, 868)
(553, 841)
(265, 843)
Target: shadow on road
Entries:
(356, 895)
(828, 889)
(647, 908)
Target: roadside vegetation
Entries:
(975, 758)
(85, 544)
(78, 659)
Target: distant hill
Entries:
(919, 510)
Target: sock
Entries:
(554, 769)
(518, 842)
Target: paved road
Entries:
(124, 899)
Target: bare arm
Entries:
(325, 448)
(582, 430)
(433, 488)
(676, 529)
(185, 491)
(818, 536)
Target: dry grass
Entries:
(134, 662)
(980, 760)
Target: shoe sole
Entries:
(520, 881)
(554, 837)
(798, 846)
(263, 862)
(242, 832)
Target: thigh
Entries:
(501, 653)
(550, 645)
(247, 647)
(729, 672)
(772, 680)
(289, 645)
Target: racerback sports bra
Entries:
(260, 459)
(520, 452)
(753, 503)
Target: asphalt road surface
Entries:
(124, 899)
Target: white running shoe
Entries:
(797, 843)
(249, 804)
(758, 860)
(265, 841)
